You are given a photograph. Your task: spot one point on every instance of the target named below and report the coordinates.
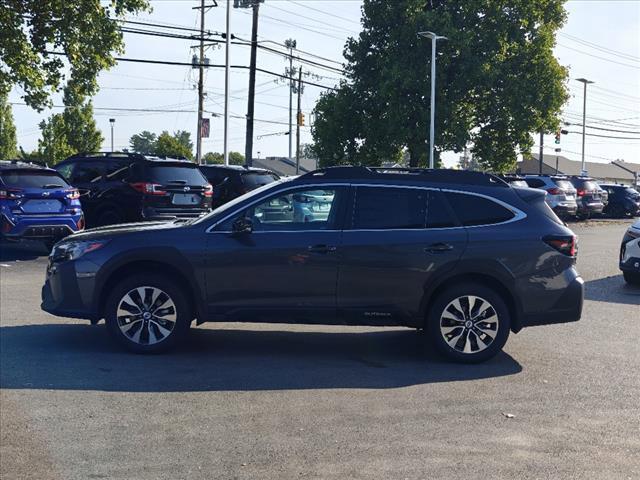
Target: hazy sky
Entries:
(611, 58)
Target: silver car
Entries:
(561, 194)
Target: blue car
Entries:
(37, 203)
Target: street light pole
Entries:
(112, 121)
(585, 82)
(434, 38)
(226, 85)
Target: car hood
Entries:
(110, 231)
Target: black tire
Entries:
(632, 278)
(176, 314)
(468, 337)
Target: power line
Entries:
(324, 13)
(601, 48)
(605, 136)
(599, 57)
(637, 132)
(331, 25)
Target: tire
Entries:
(457, 303)
(632, 278)
(156, 333)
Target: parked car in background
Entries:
(630, 254)
(460, 254)
(231, 181)
(514, 180)
(561, 194)
(37, 203)
(604, 196)
(623, 201)
(129, 187)
(588, 197)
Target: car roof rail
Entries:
(108, 155)
(346, 172)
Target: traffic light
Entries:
(558, 135)
(300, 119)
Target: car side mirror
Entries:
(242, 226)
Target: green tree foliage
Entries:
(83, 29)
(53, 145)
(497, 81)
(8, 141)
(81, 132)
(213, 158)
(144, 142)
(168, 145)
(236, 158)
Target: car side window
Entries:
(87, 172)
(439, 214)
(473, 210)
(116, 170)
(534, 182)
(299, 210)
(385, 208)
(65, 170)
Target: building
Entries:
(285, 167)
(557, 164)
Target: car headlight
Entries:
(75, 249)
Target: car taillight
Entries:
(566, 244)
(80, 223)
(554, 191)
(148, 188)
(73, 194)
(581, 192)
(208, 190)
(10, 194)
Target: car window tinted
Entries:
(255, 180)
(215, 176)
(310, 209)
(117, 170)
(438, 212)
(383, 208)
(632, 192)
(518, 183)
(164, 174)
(86, 172)
(474, 210)
(65, 170)
(564, 184)
(32, 179)
(534, 182)
(590, 186)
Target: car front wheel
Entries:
(469, 323)
(147, 314)
(632, 278)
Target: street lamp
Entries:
(585, 82)
(434, 38)
(112, 121)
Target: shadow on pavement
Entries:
(11, 251)
(612, 290)
(81, 357)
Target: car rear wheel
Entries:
(469, 323)
(632, 278)
(147, 314)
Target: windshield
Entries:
(230, 205)
(172, 173)
(32, 179)
(564, 185)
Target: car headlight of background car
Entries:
(75, 249)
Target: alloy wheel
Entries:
(469, 324)
(146, 315)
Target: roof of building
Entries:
(573, 167)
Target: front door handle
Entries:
(321, 248)
(439, 247)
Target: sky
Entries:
(600, 42)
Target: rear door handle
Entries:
(321, 248)
(439, 247)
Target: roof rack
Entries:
(401, 173)
(108, 154)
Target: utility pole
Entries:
(248, 151)
(541, 154)
(434, 38)
(227, 86)
(290, 44)
(299, 120)
(200, 86)
(112, 121)
(585, 82)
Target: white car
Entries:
(630, 254)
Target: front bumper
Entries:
(69, 290)
(568, 308)
(630, 254)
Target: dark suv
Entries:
(128, 187)
(588, 197)
(232, 181)
(623, 201)
(460, 254)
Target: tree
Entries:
(144, 143)
(81, 132)
(497, 81)
(8, 140)
(53, 146)
(236, 158)
(84, 30)
(168, 145)
(212, 158)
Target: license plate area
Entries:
(185, 199)
(42, 206)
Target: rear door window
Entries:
(385, 208)
(117, 170)
(87, 172)
(473, 210)
(439, 214)
(32, 179)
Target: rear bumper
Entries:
(565, 210)
(568, 308)
(38, 228)
(591, 208)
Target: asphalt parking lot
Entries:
(276, 402)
